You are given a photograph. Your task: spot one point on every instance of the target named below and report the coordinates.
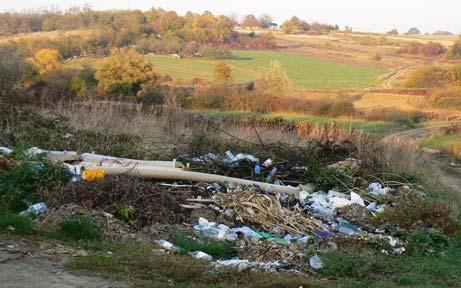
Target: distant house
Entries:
(273, 26)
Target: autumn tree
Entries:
(413, 31)
(222, 73)
(273, 80)
(250, 21)
(394, 32)
(171, 22)
(265, 21)
(46, 60)
(125, 73)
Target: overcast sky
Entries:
(363, 15)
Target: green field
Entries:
(438, 142)
(304, 72)
(375, 128)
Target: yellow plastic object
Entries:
(92, 175)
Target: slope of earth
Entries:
(304, 72)
(359, 48)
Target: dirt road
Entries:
(448, 175)
(24, 264)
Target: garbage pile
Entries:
(275, 226)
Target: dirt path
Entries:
(24, 264)
(448, 175)
(393, 78)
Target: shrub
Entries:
(432, 76)
(78, 228)
(21, 224)
(125, 73)
(430, 49)
(427, 242)
(413, 212)
(447, 97)
(455, 51)
(336, 109)
(408, 118)
(32, 175)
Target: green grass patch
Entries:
(78, 228)
(438, 142)
(376, 128)
(137, 263)
(375, 269)
(21, 224)
(304, 71)
(217, 249)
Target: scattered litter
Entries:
(268, 163)
(35, 210)
(315, 262)
(347, 228)
(238, 264)
(166, 245)
(356, 199)
(201, 255)
(377, 189)
(337, 202)
(6, 150)
(93, 174)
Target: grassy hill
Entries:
(304, 72)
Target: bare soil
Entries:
(26, 264)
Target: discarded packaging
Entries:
(347, 228)
(238, 264)
(201, 255)
(35, 210)
(315, 262)
(6, 150)
(166, 245)
(377, 189)
(92, 175)
(356, 199)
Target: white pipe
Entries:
(90, 157)
(176, 174)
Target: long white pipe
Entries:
(167, 173)
(90, 157)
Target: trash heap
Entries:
(274, 226)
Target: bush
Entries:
(413, 212)
(21, 224)
(427, 77)
(427, 242)
(408, 118)
(447, 97)
(336, 109)
(455, 51)
(78, 228)
(21, 185)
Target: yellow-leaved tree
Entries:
(46, 60)
(222, 73)
(125, 73)
(273, 80)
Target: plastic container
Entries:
(36, 209)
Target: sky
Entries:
(362, 15)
